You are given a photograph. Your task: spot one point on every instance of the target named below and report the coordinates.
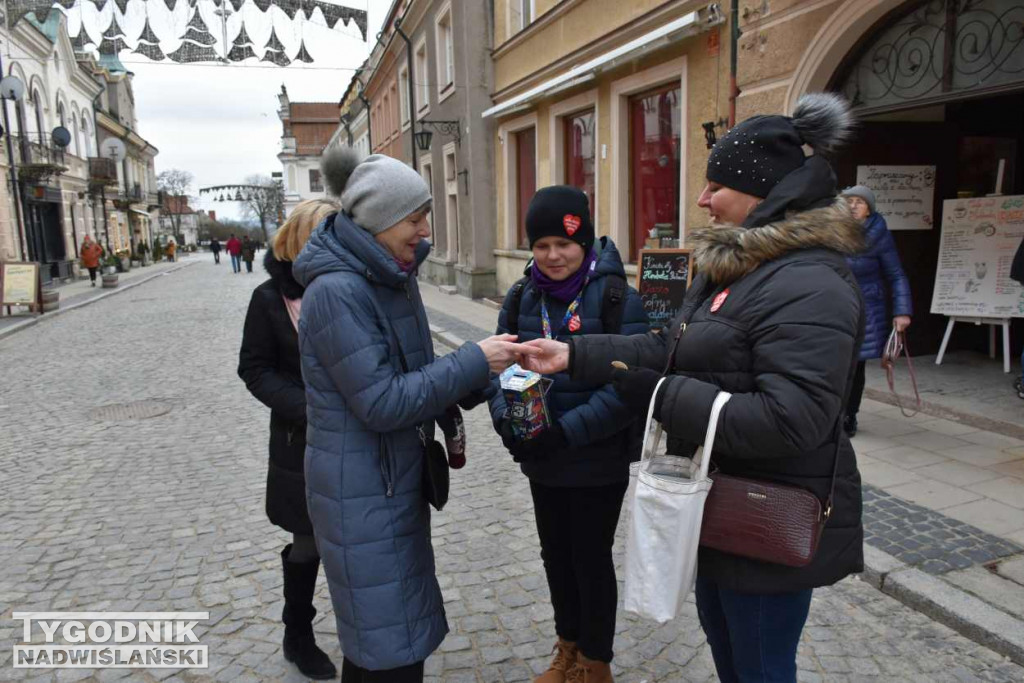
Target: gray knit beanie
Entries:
(376, 192)
(863, 192)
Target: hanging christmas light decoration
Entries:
(197, 42)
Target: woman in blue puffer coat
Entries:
(579, 467)
(372, 384)
(875, 268)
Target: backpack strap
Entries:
(614, 304)
(512, 314)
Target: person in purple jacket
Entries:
(875, 268)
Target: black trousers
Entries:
(576, 526)
(856, 391)
(248, 266)
(350, 673)
(92, 274)
(216, 257)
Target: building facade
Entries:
(430, 73)
(177, 218)
(307, 127)
(133, 205)
(45, 215)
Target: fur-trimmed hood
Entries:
(728, 253)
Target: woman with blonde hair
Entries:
(269, 363)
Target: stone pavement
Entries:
(100, 510)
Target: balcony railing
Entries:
(102, 171)
(37, 156)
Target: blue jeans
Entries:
(236, 262)
(753, 638)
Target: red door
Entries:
(655, 119)
(579, 154)
(526, 179)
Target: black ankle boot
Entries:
(299, 643)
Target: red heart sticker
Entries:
(574, 323)
(719, 301)
(571, 223)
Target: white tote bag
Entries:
(666, 508)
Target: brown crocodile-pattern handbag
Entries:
(763, 520)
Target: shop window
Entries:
(579, 153)
(315, 181)
(654, 119)
(526, 179)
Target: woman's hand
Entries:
(901, 322)
(548, 357)
(502, 351)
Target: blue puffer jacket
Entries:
(875, 267)
(599, 428)
(361, 440)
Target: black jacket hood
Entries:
(281, 273)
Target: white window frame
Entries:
(450, 157)
(517, 23)
(559, 111)
(506, 135)
(404, 106)
(427, 173)
(444, 49)
(421, 73)
(673, 71)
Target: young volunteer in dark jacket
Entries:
(579, 468)
(875, 268)
(269, 364)
(775, 318)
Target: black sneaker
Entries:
(850, 425)
(1018, 386)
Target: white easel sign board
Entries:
(979, 239)
(904, 195)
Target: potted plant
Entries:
(110, 271)
(158, 252)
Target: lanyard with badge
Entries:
(570, 312)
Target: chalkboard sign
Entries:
(662, 277)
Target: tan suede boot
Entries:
(565, 659)
(589, 671)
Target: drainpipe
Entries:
(412, 104)
(734, 90)
(369, 118)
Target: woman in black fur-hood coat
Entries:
(775, 318)
(269, 363)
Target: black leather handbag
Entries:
(436, 479)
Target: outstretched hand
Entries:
(547, 356)
(502, 351)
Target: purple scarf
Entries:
(406, 267)
(567, 289)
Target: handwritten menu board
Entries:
(904, 195)
(19, 284)
(978, 241)
(662, 277)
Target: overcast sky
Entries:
(220, 122)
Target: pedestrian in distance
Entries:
(775, 318)
(91, 253)
(373, 390)
(269, 364)
(234, 249)
(1017, 275)
(215, 248)
(875, 268)
(248, 253)
(579, 467)
(171, 249)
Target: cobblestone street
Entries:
(102, 511)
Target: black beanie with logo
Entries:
(560, 211)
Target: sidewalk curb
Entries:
(964, 613)
(442, 336)
(6, 332)
(934, 410)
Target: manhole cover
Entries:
(136, 410)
